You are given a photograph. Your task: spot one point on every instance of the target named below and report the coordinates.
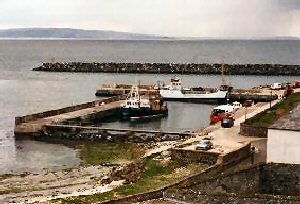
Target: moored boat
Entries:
(174, 91)
(138, 107)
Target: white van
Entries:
(276, 86)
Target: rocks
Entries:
(233, 69)
(130, 172)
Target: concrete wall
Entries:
(255, 69)
(283, 146)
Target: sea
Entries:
(23, 91)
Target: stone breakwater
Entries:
(233, 69)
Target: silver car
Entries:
(204, 145)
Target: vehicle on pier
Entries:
(224, 111)
(139, 107)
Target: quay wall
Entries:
(32, 117)
(232, 69)
(65, 132)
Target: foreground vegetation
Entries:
(158, 173)
(268, 117)
(109, 153)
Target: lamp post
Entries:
(245, 112)
(271, 100)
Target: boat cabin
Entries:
(176, 84)
(134, 100)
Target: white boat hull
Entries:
(178, 95)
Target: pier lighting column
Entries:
(271, 100)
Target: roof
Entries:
(290, 121)
(228, 108)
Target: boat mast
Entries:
(138, 90)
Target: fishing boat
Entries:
(138, 106)
(174, 91)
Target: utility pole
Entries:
(245, 112)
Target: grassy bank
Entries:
(268, 117)
(158, 173)
(109, 153)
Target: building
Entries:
(284, 139)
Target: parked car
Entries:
(204, 144)
(227, 122)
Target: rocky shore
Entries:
(233, 69)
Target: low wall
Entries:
(233, 69)
(136, 198)
(211, 186)
(255, 181)
(206, 157)
(235, 156)
(211, 158)
(249, 130)
(32, 117)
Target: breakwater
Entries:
(233, 69)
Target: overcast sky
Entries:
(194, 18)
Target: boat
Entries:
(174, 91)
(220, 112)
(138, 106)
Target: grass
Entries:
(10, 190)
(158, 174)
(109, 153)
(5, 176)
(268, 117)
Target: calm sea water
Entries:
(24, 92)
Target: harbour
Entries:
(61, 109)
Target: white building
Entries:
(284, 139)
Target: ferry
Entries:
(174, 91)
(137, 107)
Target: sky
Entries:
(178, 18)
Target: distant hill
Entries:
(68, 33)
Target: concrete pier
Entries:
(33, 124)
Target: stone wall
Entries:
(279, 179)
(235, 156)
(249, 130)
(211, 158)
(233, 69)
(271, 178)
(245, 186)
(206, 157)
(108, 135)
(217, 198)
